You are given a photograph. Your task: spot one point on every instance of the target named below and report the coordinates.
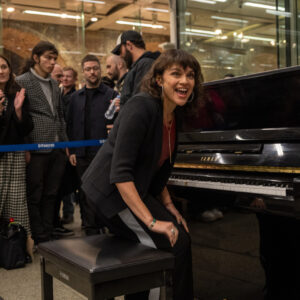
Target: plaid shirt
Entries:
(48, 126)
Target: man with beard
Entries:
(86, 121)
(131, 47)
(116, 70)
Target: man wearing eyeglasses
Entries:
(86, 121)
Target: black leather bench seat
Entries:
(103, 266)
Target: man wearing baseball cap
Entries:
(131, 47)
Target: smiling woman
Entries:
(126, 181)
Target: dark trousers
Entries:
(88, 216)
(44, 173)
(279, 252)
(68, 208)
(68, 205)
(121, 225)
(68, 186)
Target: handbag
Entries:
(13, 246)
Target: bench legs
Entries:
(47, 283)
(98, 291)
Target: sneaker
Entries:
(208, 216)
(218, 214)
(67, 219)
(62, 231)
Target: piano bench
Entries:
(103, 266)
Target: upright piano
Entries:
(245, 140)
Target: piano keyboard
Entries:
(227, 184)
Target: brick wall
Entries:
(20, 37)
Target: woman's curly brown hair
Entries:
(165, 60)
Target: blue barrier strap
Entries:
(56, 145)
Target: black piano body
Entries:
(245, 140)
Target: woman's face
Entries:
(4, 71)
(178, 84)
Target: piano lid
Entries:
(258, 107)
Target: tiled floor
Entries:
(225, 259)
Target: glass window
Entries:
(239, 37)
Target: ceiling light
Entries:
(94, 19)
(278, 13)
(212, 33)
(209, 61)
(140, 24)
(244, 40)
(92, 1)
(197, 34)
(205, 1)
(252, 49)
(10, 9)
(261, 5)
(258, 38)
(69, 52)
(157, 9)
(218, 31)
(49, 14)
(97, 53)
(229, 19)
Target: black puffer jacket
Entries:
(135, 75)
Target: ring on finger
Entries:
(172, 231)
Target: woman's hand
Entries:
(131, 197)
(18, 103)
(2, 99)
(168, 229)
(179, 218)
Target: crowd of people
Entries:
(119, 182)
(120, 185)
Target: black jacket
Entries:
(76, 116)
(131, 153)
(13, 131)
(66, 98)
(135, 75)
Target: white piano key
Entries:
(234, 187)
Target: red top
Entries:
(165, 151)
